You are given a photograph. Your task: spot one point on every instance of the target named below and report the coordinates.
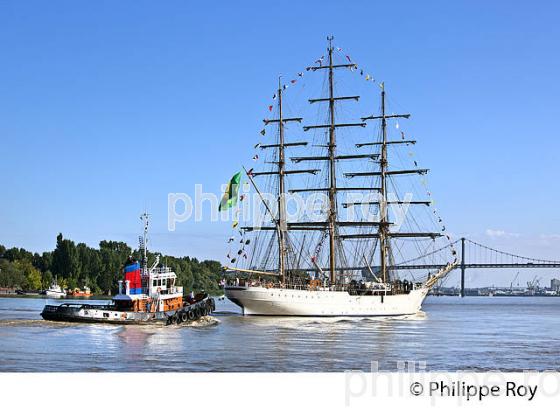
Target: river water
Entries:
(474, 333)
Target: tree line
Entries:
(77, 266)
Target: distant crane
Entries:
(511, 284)
(533, 285)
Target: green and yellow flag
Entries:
(229, 199)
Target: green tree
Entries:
(14, 254)
(112, 256)
(100, 269)
(90, 266)
(65, 262)
(10, 276)
(33, 279)
(42, 262)
(47, 279)
(30, 273)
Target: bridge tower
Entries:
(462, 267)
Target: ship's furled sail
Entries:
(343, 200)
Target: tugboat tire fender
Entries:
(191, 314)
(184, 317)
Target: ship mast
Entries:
(282, 227)
(383, 232)
(383, 227)
(332, 222)
(332, 172)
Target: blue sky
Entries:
(108, 106)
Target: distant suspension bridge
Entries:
(483, 257)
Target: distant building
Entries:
(555, 285)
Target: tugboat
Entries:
(147, 294)
(79, 293)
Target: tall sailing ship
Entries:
(357, 254)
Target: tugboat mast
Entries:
(145, 217)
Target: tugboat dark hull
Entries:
(74, 312)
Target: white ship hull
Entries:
(55, 294)
(291, 302)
